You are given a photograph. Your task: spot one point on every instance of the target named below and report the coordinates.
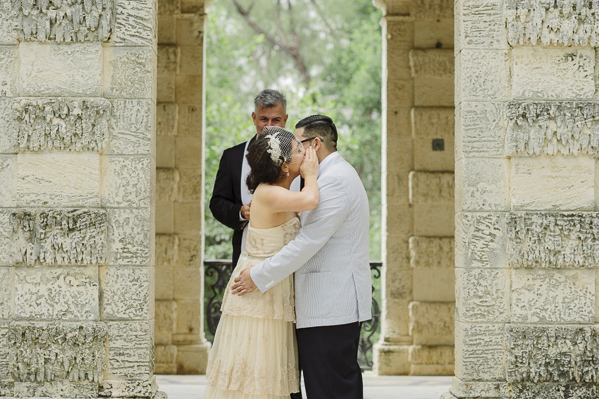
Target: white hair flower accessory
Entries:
(275, 148)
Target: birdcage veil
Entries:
(281, 143)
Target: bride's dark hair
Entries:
(267, 153)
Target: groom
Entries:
(332, 274)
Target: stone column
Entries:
(77, 106)
(526, 229)
(180, 343)
(418, 189)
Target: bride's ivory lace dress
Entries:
(254, 354)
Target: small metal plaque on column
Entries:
(438, 145)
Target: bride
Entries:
(254, 354)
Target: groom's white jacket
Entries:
(330, 254)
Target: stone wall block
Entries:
(192, 60)
(70, 355)
(166, 323)
(553, 74)
(544, 183)
(553, 128)
(135, 22)
(553, 240)
(56, 294)
(167, 184)
(399, 130)
(479, 352)
(432, 323)
(398, 61)
(8, 125)
(129, 237)
(553, 296)
(469, 389)
(188, 282)
(56, 237)
(131, 126)
(8, 176)
(482, 184)
(166, 119)
(190, 30)
(432, 252)
(395, 322)
(189, 317)
(188, 88)
(7, 35)
(190, 120)
(8, 253)
(550, 23)
(550, 391)
(432, 355)
(190, 184)
(130, 350)
(559, 354)
(483, 76)
(400, 148)
(63, 22)
(127, 181)
(481, 240)
(398, 188)
(61, 70)
(168, 58)
(188, 217)
(165, 88)
(126, 292)
(434, 91)
(398, 31)
(433, 122)
(429, 125)
(431, 187)
(480, 130)
(427, 9)
(165, 218)
(165, 354)
(434, 285)
(432, 63)
(165, 155)
(188, 152)
(129, 389)
(167, 249)
(434, 220)
(58, 179)
(9, 70)
(58, 124)
(129, 72)
(192, 359)
(480, 25)
(7, 282)
(427, 33)
(400, 93)
(5, 356)
(391, 359)
(190, 251)
(482, 295)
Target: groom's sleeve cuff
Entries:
(264, 283)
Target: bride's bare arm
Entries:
(280, 199)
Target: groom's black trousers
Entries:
(329, 359)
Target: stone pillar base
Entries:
(391, 359)
(192, 359)
(475, 390)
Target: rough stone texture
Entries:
(59, 70)
(551, 391)
(56, 389)
(127, 389)
(432, 323)
(553, 183)
(166, 312)
(479, 352)
(428, 124)
(481, 184)
(5, 357)
(6, 297)
(553, 240)
(135, 23)
(130, 349)
(57, 124)
(480, 24)
(7, 124)
(129, 72)
(561, 354)
(166, 119)
(9, 70)
(553, 296)
(434, 252)
(131, 126)
(553, 74)
(432, 63)
(438, 359)
(126, 292)
(553, 128)
(56, 294)
(128, 238)
(44, 352)
(563, 23)
(432, 9)
(482, 295)
(481, 240)
(427, 188)
(8, 176)
(127, 181)
(480, 130)
(58, 179)
(62, 21)
(59, 237)
(167, 184)
(482, 75)
(469, 389)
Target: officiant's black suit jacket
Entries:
(226, 203)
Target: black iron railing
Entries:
(218, 272)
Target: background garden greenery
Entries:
(324, 55)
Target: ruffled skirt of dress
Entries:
(254, 353)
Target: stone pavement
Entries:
(375, 387)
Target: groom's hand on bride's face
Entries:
(243, 284)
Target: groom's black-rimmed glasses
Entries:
(312, 138)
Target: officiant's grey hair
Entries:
(270, 98)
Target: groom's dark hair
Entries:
(320, 126)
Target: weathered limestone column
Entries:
(526, 183)
(77, 106)
(180, 343)
(418, 197)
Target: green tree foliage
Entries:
(324, 55)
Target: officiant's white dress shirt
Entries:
(330, 254)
